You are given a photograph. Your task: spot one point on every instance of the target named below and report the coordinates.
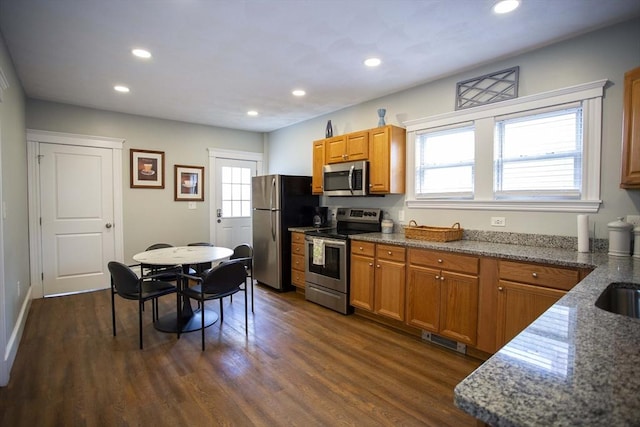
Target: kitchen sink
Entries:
(621, 298)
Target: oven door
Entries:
(333, 274)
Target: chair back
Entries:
(225, 278)
(243, 252)
(124, 279)
(158, 246)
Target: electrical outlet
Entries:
(401, 215)
(634, 219)
(498, 221)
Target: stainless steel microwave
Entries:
(346, 179)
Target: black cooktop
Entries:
(351, 221)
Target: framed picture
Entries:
(189, 183)
(147, 168)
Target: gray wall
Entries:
(150, 215)
(14, 194)
(603, 54)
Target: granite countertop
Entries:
(575, 365)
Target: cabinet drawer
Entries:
(391, 253)
(362, 248)
(444, 260)
(297, 249)
(541, 275)
(297, 278)
(297, 262)
(297, 237)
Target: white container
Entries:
(620, 238)
(387, 226)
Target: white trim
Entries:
(555, 97)
(16, 335)
(582, 206)
(34, 138)
(5, 363)
(590, 94)
(220, 153)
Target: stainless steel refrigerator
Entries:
(279, 202)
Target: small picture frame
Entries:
(147, 168)
(189, 183)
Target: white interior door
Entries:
(77, 211)
(232, 219)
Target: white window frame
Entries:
(589, 94)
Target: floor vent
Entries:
(450, 344)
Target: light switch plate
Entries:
(192, 205)
(498, 221)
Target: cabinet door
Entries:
(357, 146)
(423, 298)
(631, 130)
(379, 161)
(390, 289)
(459, 307)
(335, 149)
(318, 163)
(519, 305)
(362, 282)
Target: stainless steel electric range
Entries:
(327, 257)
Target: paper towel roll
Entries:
(583, 233)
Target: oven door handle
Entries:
(328, 242)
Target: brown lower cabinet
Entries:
(480, 301)
(378, 279)
(442, 294)
(297, 260)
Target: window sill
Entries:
(583, 206)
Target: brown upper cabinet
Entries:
(631, 131)
(347, 148)
(383, 147)
(318, 162)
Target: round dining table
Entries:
(184, 256)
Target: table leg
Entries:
(191, 320)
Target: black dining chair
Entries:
(244, 252)
(126, 283)
(168, 273)
(225, 279)
(202, 267)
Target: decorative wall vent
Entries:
(492, 87)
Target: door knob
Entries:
(108, 225)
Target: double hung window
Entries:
(540, 152)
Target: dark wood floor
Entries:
(301, 365)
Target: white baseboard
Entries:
(16, 336)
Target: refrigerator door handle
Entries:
(273, 228)
(273, 190)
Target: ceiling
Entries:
(215, 60)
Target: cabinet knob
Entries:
(534, 274)
(360, 247)
(378, 265)
(437, 277)
(370, 264)
(441, 277)
(500, 288)
(389, 253)
(440, 260)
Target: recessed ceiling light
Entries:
(299, 92)
(252, 113)
(372, 62)
(120, 88)
(141, 53)
(506, 6)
